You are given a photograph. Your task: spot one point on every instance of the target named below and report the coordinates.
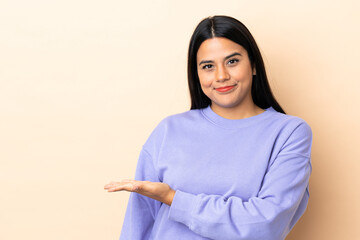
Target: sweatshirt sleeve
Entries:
(141, 211)
(280, 202)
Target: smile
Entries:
(225, 89)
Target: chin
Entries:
(226, 105)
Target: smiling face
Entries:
(224, 63)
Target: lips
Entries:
(225, 89)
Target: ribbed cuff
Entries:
(182, 207)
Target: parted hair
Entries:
(234, 30)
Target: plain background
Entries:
(83, 84)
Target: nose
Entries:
(222, 74)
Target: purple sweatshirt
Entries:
(234, 179)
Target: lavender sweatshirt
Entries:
(234, 179)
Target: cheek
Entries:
(242, 73)
(239, 75)
(205, 80)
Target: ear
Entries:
(254, 70)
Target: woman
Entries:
(235, 166)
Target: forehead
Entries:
(218, 47)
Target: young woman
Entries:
(234, 166)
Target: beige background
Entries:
(83, 83)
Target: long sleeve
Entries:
(141, 211)
(271, 214)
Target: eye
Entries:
(234, 60)
(207, 66)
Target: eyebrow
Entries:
(210, 61)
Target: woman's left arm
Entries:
(270, 215)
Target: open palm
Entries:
(155, 190)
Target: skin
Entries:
(222, 71)
(217, 71)
(155, 190)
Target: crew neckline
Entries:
(216, 119)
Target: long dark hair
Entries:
(234, 30)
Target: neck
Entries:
(238, 112)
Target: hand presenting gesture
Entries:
(155, 190)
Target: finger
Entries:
(112, 183)
(127, 185)
(121, 187)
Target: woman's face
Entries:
(224, 63)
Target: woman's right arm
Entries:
(141, 211)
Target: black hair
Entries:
(234, 30)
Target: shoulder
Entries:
(293, 134)
(181, 118)
(178, 121)
(289, 123)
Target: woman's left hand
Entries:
(155, 190)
